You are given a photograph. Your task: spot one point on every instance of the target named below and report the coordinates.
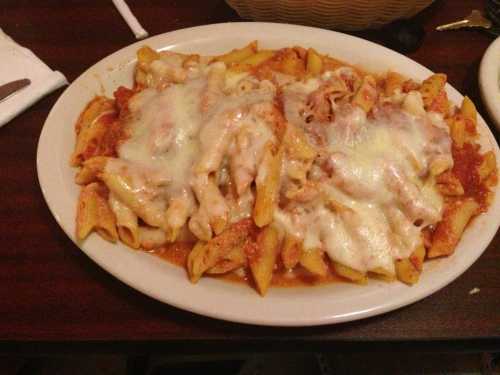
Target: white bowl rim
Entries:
(489, 80)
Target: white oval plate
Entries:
(333, 303)
(489, 80)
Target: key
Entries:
(475, 19)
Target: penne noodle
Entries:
(366, 96)
(487, 166)
(291, 252)
(393, 82)
(91, 129)
(211, 202)
(199, 225)
(431, 88)
(262, 262)
(312, 260)
(178, 212)
(382, 274)
(457, 131)
(151, 212)
(418, 256)
(267, 187)
(449, 184)
(349, 273)
(257, 58)
(414, 104)
(314, 64)
(126, 222)
(196, 264)
(406, 271)
(93, 213)
(238, 55)
(94, 109)
(206, 255)
(146, 55)
(291, 64)
(468, 109)
(213, 90)
(296, 144)
(450, 229)
(235, 259)
(91, 168)
(252, 62)
(330, 63)
(151, 238)
(86, 216)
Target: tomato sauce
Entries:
(466, 162)
(175, 253)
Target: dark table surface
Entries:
(52, 297)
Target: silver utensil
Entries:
(474, 19)
(11, 88)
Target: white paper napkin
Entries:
(17, 62)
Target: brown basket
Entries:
(331, 14)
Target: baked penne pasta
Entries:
(281, 166)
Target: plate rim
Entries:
(230, 315)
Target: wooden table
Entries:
(53, 298)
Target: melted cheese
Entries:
(163, 132)
(372, 192)
(376, 186)
(174, 143)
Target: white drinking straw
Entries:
(129, 17)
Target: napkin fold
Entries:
(17, 62)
